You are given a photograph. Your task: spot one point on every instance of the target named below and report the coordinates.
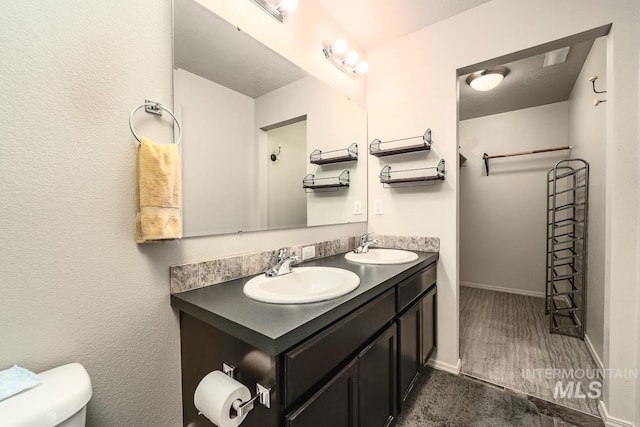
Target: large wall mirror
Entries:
(250, 120)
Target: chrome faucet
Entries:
(365, 242)
(284, 264)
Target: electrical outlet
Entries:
(377, 207)
(357, 207)
(308, 252)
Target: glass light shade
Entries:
(362, 67)
(340, 46)
(289, 5)
(352, 58)
(486, 81)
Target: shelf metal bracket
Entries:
(486, 163)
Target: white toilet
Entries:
(60, 400)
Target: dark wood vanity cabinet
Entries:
(308, 363)
(409, 350)
(429, 322)
(356, 372)
(416, 327)
(366, 387)
(377, 403)
(363, 394)
(335, 405)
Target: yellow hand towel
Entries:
(157, 192)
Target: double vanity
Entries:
(350, 360)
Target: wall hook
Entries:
(274, 155)
(593, 83)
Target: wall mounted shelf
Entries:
(310, 182)
(376, 146)
(407, 176)
(349, 154)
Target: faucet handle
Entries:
(365, 238)
(282, 254)
(295, 259)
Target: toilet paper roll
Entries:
(214, 398)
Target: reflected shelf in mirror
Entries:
(349, 154)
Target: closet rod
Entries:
(486, 157)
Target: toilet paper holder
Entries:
(263, 394)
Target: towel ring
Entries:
(154, 108)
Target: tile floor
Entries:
(441, 399)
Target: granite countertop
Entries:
(274, 328)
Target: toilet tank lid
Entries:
(63, 392)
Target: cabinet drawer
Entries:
(306, 364)
(415, 285)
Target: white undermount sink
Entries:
(302, 285)
(382, 256)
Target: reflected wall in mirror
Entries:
(241, 105)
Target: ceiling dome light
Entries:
(488, 79)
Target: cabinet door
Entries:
(308, 363)
(378, 387)
(335, 405)
(428, 326)
(409, 350)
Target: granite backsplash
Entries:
(195, 275)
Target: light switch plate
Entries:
(357, 207)
(377, 207)
(308, 252)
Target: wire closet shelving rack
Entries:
(567, 225)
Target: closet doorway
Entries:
(509, 138)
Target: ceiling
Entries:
(210, 47)
(528, 84)
(374, 22)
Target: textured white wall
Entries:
(412, 84)
(75, 286)
(587, 133)
(638, 266)
(502, 216)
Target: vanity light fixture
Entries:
(278, 10)
(348, 63)
(487, 79)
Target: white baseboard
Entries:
(502, 289)
(594, 355)
(436, 364)
(608, 420)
